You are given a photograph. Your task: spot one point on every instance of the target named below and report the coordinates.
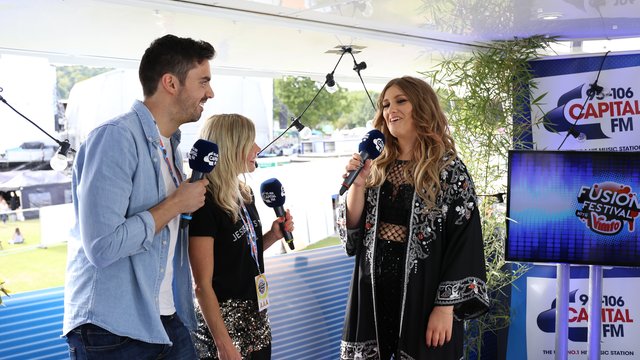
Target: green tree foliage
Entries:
(293, 95)
(362, 110)
(67, 76)
(486, 97)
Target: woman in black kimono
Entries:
(411, 219)
(226, 246)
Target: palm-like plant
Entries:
(3, 290)
(487, 99)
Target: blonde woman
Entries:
(411, 220)
(226, 247)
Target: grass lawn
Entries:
(26, 267)
(330, 241)
(30, 230)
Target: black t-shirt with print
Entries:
(234, 268)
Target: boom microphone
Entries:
(370, 148)
(203, 157)
(272, 194)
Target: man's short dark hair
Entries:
(171, 54)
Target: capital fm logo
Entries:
(379, 143)
(615, 315)
(193, 153)
(594, 112)
(268, 197)
(212, 158)
(547, 321)
(607, 207)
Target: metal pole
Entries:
(562, 311)
(595, 311)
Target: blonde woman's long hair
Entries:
(235, 135)
(434, 140)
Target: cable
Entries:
(26, 118)
(594, 89)
(361, 66)
(296, 121)
(65, 146)
(329, 80)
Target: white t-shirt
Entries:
(167, 306)
(16, 239)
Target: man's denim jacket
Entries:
(116, 263)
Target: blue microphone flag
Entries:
(203, 156)
(372, 143)
(272, 193)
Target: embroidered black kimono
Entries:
(444, 265)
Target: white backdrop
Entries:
(56, 224)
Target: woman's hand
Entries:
(440, 326)
(354, 164)
(355, 196)
(228, 351)
(287, 219)
(275, 233)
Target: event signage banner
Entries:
(532, 334)
(606, 119)
(619, 316)
(574, 207)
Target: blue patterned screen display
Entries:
(576, 207)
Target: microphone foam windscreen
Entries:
(272, 192)
(372, 143)
(203, 156)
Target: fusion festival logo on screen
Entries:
(607, 207)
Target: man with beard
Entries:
(128, 288)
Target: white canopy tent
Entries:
(102, 97)
(278, 37)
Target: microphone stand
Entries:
(357, 67)
(64, 146)
(329, 81)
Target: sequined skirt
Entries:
(248, 328)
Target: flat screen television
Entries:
(575, 207)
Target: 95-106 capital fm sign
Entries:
(619, 317)
(606, 118)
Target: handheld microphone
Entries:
(370, 148)
(203, 157)
(272, 194)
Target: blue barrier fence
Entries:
(308, 293)
(31, 324)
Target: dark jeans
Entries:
(88, 341)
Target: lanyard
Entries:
(177, 180)
(251, 235)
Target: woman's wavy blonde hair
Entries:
(235, 135)
(434, 140)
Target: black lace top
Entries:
(395, 204)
